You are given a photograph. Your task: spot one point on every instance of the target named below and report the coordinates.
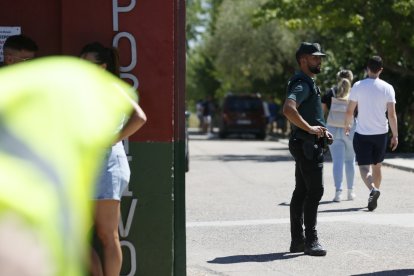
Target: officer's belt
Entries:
(303, 135)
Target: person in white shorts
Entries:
(374, 97)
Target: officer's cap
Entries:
(308, 48)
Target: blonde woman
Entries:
(335, 103)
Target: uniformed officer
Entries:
(307, 142)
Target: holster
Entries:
(310, 142)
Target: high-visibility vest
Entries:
(57, 117)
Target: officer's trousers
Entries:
(309, 189)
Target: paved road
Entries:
(238, 193)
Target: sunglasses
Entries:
(21, 59)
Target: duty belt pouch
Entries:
(310, 143)
(309, 149)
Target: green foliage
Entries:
(201, 76)
(249, 58)
(242, 53)
(351, 31)
(195, 18)
(249, 45)
(192, 18)
(365, 27)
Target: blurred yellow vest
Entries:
(57, 117)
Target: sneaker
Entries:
(337, 197)
(372, 200)
(297, 246)
(351, 194)
(314, 248)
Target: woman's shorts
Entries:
(114, 177)
(370, 149)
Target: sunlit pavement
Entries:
(238, 194)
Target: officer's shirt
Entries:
(308, 100)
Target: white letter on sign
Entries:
(116, 10)
(134, 80)
(131, 248)
(131, 39)
(124, 229)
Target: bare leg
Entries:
(107, 215)
(377, 175)
(366, 176)
(96, 265)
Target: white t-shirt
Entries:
(372, 96)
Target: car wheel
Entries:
(261, 136)
(222, 135)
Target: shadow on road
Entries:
(320, 203)
(254, 258)
(279, 149)
(389, 272)
(343, 210)
(194, 135)
(356, 209)
(258, 158)
(251, 157)
(214, 137)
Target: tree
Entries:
(195, 18)
(249, 59)
(200, 74)
(351, 31)
(354, 27)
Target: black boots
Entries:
(297, 246)
(314, 248)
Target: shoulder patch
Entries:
(298, 88)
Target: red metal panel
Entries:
(65, 26)
(85, 21)
(179, 79)
(40, 20)
(149, 22)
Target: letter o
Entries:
(133, 48)
(131, 248)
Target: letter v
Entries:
(124, 230)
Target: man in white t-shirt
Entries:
(374, 97)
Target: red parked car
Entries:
(243, 114)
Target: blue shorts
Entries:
(370, 149)
(114, 177)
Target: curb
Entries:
(399, 167)
(387, 163)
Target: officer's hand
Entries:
(329, 137)
(318, 131)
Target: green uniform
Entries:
(303, 90)
(57, 117)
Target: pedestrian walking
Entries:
(208, 116)
(199, 112)
(335, 103)
(308, 139)
(273, 113)
(374, 98)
